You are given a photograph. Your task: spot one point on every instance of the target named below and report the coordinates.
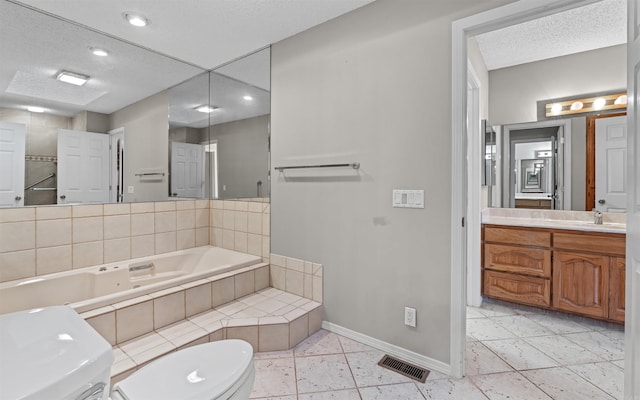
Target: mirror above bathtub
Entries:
(125, 94)
(219, 131)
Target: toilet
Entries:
(52, 353)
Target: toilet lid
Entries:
(204, 371)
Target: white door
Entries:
(187, 170)
(632, 304)
(11, 164)
(611, 160)
(83, 167)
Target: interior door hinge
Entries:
(463, 222)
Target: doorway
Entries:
(462, 29)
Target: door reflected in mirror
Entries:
(219, 131)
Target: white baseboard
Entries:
(391, 349)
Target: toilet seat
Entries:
(215, 370)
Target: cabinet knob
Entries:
(18, 198)
(63, 197)
(601, 201)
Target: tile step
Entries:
(269, 319)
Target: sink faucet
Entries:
(597, 217)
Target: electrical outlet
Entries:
(130, 189)
(410, 316)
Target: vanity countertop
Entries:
(555, 219)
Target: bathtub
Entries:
(97, 286)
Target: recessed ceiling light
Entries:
(35, 109)
(136, 19)
(247, 98)
(72, 78)
(99, 52)
(205, 108)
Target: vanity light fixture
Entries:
(599, 103)
(622, 99)
(136, 19)
(576, 105)
(585, 105)
(99, 52)
(34, 109)
(72, 78)
(247, 98)
(205, 108)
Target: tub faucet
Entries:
(597, 217)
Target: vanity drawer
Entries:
(605, 244)
(522, 237)
(521, 260)
(517, 288)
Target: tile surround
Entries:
(48, 239)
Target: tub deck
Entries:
(236, 305)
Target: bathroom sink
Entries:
(51, 353)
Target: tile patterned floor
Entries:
(512, 353)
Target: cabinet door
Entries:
(616, 288)
(517, 288)
(580, 283)
(521, 260)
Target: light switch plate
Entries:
(408, 198)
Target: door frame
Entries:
(590, 190)
(462, 29)
(563, 146)
(115, 195)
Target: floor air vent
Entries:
(403, 368)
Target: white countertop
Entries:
(555, 219)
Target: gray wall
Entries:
(373, 86)
(146, 138)
(514, 91)
(242, 156)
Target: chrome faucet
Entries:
(597, 217)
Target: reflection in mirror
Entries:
(231, 130)
(123, 96)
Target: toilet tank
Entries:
(52, 353)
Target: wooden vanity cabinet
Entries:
(516, 272)
(585, 266)
(617, 275)
(580, 283)
(573, 271)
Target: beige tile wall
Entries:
(47, 239)
(302, 278)
(242, 226)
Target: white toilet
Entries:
(52, 353)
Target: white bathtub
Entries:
(93, 287)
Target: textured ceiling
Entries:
(39, 38)
(207, 33)
(591, 27)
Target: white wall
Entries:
(374, 87)
(146, 141)
(514, 91)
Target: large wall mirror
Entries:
(219, 131)
(112, 139)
